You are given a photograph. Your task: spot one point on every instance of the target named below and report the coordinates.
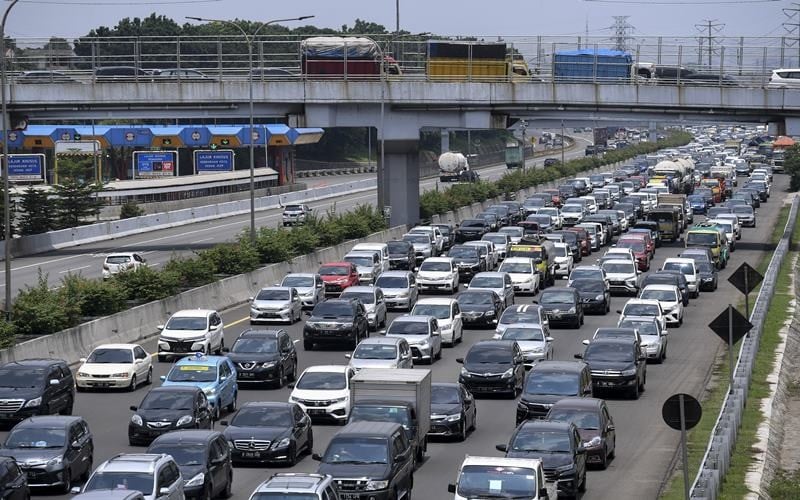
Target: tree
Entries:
(791, 164)
(37, 212)
(76, 193)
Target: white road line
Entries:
(73, 269)
(200, 241)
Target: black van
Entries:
(550, 381)
(35, 387)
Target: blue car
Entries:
(698, 203)
(215, 375)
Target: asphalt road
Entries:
(160, 246)
(645, 446)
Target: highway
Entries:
(158, 247)
(645, 446)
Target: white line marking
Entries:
(73, 269)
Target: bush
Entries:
(190, 273)
(8, 334)
(94, 297)
(40, 311)
(231, 258)
(271, 245)
(129, 210)
(146, 284)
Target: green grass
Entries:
(733, 485)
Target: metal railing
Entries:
(739, 61)
(717, 457)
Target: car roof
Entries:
(579, 403)
(144, 462)
(49, 421)
(261, 333)
(327, 368)
(398, 274)
(441, 259)
(278, 287)
(549, 425)
(679, 260)
(203, 360)
(304, 275)
(651, 302)
(658, 286)
(490, 274)
(613, 340)
(360, 289)
(388, 340)
(187, 436)
(555, 365)
(193, 313)
(33, 362)
(294, 482)
(495, 344)
(176, 388)
(337, 263)
(121, 254)
(413, 318)
(362, 427)
(116, 346)
(436, 300)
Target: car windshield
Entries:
(571, 209)
(357, 450)
(488, 355)
(293, 208)
(486, 282)
(165, 400)
(515, 316)
(129, 481)
(464, 252)
(360, 261)
(560, 251)
(468, 298)
(192, 373)
(185, 454)
(484, 481)
(640, 310)
(497, 239)
(552, 383)
(579, 273)
(532, 440)
(118, 259)
(397, 247)
(364, 297)
(743, 209)
(473, 223)
(557, 297)
(332, 310)
(21, 377)
(260, 345)
(636, 246)
(375, 351)
(701, 239)
(610, 352)
(392, 282)
(379, 413)
(417, 238)
(186, 323)
(435, 266)
(592, 286)
(644, 327)
(445, 395)
(619, 268)
(512, 231)
(583, 419)
(259, 416)
(334, 271)
(542, 220)
(681, 267)
(530, 334)
(322, 381)
(273, 295)
(662, 295)
(102, 355)
(36, 438)
(298, 281)
(704, 267)
(412, 327)
(516, 267)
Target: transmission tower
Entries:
(708, 39)
(792, 27)
(621, 32)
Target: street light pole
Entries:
(4, 161)
(562, 142)
(250, 39)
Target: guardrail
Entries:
(717, 457)
(730, 61)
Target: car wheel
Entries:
(281, 377)
(439, 354)
(308, 345)
(462, 432)
(582, 486)
(604, 459)
(149, 379)
(680, 321)
(310, 442)
(132, 386)
(215, 413)
(293, 374)
(67, 481)
(635, 391)
(207, 492)
(291, 460)
(232, 407)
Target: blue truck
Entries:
(591, 65)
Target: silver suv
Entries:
(286, 484)
(157, 476)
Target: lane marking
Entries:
(238, 321)
(74, 269)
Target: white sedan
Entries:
(115, 366)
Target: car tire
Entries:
(308, 345)
(310, 442)
(635, 391)
(220, 347)
(67, 410)
(462, 432)
(232, 407)
(67, 481)
(582, 486)
(291, 461)
(207, 494)
(281, 378)
(293, 374)
(215, 414)
(132, 386)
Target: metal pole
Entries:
(562, 142)
(397, 17)
(4, 162)
(382, 163)
(686, 484)
(747, 295)
(730, 348)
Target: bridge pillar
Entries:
(653, 132)
(445, 140)
(401, 181)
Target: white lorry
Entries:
(452, 166)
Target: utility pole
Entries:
(792, 26)
(621, 30)
(708, 29)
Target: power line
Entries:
(708, 29)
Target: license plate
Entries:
(247, 375)
(349, 496)
(251, 454)
(606, 384)
(316, 412)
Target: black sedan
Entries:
(594, 294)
(166, 409)
(493, 367)
(595, 426)
(471, 229)
(269, 432)
(562, 306)
(707, 276)
(453, 411)
(480, 307)
(264, 356)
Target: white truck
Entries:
(498, 477)
(452, 166)
(399, 395)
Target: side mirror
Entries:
(290, 386)
(163, 377)
(249, 299)
(451, 488)
(223, 422)
(585, 342)
(347, 356)
(316, 457)
(134, 408)
(75, 445)
(226, 349)
(587, 390)
(160, 327)
(162, 492)
(75, 490)
(307, 313)
(610, 427)
(550, 339)
(619, 312)
(501, 447)
(54, 381)
(581, 450)
(460, 361)
(82, 360)
(578, 356)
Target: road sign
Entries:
(155, 163)
(211, 162)
(26, 167)
(671, 411)
(730, 325)
(745, 278)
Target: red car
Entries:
(648, 240)
(584, 239)
(337, 276)
(639, 248)
(556, 196)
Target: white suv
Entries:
(784, 78)
(122, 261)
(190, 331)
(155, 475)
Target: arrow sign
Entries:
(721, 325)
(745, 278)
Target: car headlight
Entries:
(339, 400)
(136, 419)
(453, 418)
(508, 373)
(565, 468)
(55, 461)
(376, 485)
(283, 443)
(83, 375)
(33, 402)
(120, 375)
(489, 313)
(628, 373)
(424, 343)
(294, 399)
(197, 480)
(268, 364)
(571, 310)
(184, 420)
(600, 297)
(538, 348)
(594, 442)
(210, 391)
(464, 372)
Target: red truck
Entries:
(344, 56)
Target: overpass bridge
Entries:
(399, 106)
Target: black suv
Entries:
(336, 321)
(35, 387)
(401, 255)
(468, 260)
(204, 460)
(269, 432)
(51, 450)
(166, 409)
(493, 366)
(13, 484)
(264, 356)
(548, 382)
(558, 445)
(562, 305)
(616, 363)
(471, 229)
(374, 454)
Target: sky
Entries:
(72, 18)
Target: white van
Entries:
(381, 248)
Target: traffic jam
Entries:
(512, 288)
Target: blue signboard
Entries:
(210, 162)
(26, 167)
(155, 163)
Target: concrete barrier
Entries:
(139, 323)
